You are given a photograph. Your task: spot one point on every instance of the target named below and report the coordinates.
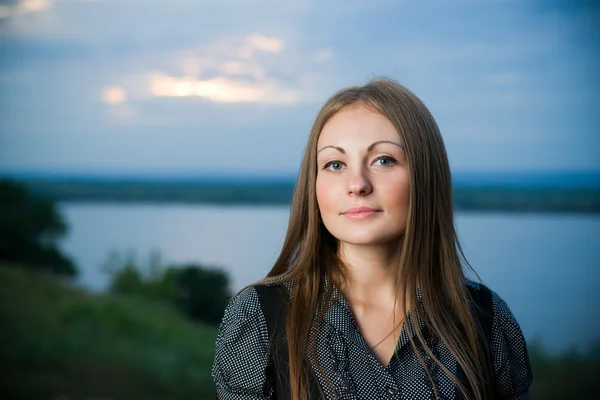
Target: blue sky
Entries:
(230, 86)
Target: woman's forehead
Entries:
(357, 124)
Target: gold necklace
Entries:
(386, 336)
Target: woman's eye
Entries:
(334, 166)
(385, 161)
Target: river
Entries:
(546, 267)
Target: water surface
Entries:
(545, 266)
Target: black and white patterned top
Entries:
(240, 370)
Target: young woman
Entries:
(368, 298)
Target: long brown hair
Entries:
(431, 254)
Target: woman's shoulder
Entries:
(499, 307)
(243, 305)
(512, 369)
(242, 347)
(247, 304)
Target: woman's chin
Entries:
(369, 240)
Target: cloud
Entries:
(254, 43)
(223, 90)
(20, 8)
(29, 18)
(228, 75)
(114, 95)
(254, 68)
(29, 6)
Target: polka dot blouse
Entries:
(241, 366)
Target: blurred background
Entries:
(149, 150)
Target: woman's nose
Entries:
(358, 183)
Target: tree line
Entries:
(31, 228)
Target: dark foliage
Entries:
(30, 228)
(199, 292)
(204, 293)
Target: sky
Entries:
(233, 86)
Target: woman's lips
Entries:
(360, 213)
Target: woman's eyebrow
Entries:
(370, 148)
(332, 147)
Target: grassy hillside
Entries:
(58, 341)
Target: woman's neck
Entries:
(370, 271)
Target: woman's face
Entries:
(363, 183)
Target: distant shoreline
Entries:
(578, 196)
(549, 179)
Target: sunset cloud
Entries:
(247, 46)
(254, 43)
(29, 6)
(23, 7)
(222, 90)
(243, 69)
(114, 95)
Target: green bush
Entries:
(30, 228)
(199, 292)
(204, 292)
